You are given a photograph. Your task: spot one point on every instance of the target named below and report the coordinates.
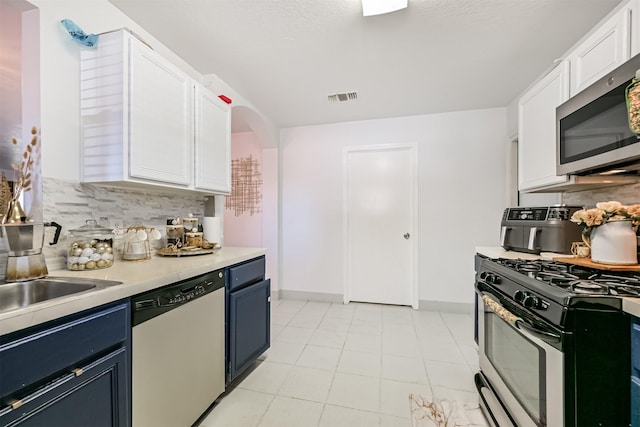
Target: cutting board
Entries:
(586, 262)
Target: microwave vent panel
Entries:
(343, 96)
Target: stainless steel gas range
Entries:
(554, 343)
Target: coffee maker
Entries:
(25, 260)
(24, 240)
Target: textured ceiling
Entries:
(286, 56)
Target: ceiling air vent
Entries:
(342, 97)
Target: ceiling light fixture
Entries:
(378, 7)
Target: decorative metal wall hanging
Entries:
(246, 186)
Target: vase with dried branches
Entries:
(14, 214)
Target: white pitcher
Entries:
(614, 243)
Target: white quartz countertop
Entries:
(136, 277)
(499, 252)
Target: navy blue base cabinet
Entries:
(248, 312)
(75, 371)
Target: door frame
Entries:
(346, 244)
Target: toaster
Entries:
(540, 229)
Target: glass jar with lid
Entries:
(90, 247)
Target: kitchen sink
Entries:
(23, 294)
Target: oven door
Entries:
(521, 360)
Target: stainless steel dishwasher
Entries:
(178, 351)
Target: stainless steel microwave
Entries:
(592, 128)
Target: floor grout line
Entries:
(389, 321)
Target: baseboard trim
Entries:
(443, 306)
(447, 307)
(309, 296)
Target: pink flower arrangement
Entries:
(605, 212)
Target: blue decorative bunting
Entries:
(79, 35)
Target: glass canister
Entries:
(90, 247)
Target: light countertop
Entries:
(631, 306)
(136, 277)
(499, 252)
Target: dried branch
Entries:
(22, 181)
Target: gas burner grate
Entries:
(533, 266)
(574, 278)
(625, 291)
(554, 277)
(588, 287)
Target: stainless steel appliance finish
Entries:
(178, 351)
(554, 343)
(539, 229)
(592, 132)
(511, 357)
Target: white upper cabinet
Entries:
(608, 47)
(635, 27)
(161, 120)
(212, 142)
(537, 129)
(144, 121)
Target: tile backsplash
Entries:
(625, 194)
(70, 204)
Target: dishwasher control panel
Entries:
(150, 304)
(184, 296)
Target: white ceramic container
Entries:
(614, 243)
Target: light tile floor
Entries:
(333, 365)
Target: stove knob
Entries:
(493, 279)
(483, 275)
(519, 295)
(531, 301)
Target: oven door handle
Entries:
(517, 322)
(549, 337)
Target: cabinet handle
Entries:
(78, 371)
(16, 404)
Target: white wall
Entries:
(258, 230)
(462, 166)
(244, 229)
(270, 230)
(10, 85)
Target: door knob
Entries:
(407, 235)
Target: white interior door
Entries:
(380, 222)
